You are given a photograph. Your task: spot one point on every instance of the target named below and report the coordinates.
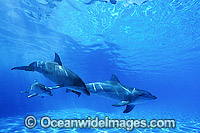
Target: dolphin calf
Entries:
(38, 89)
(123, 94)
(56, 72)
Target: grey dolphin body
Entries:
(57, 73)
(123, 94)
(38, 89)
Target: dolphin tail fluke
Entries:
(26, 68)
(128, 108)
(73, 91)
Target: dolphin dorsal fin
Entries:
(114, 78)
(57, 59)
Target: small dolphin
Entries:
(93, 1)
(123, 94)
(57, 73)
(38, 89)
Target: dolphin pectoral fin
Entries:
(77, 93)
(57, 59)
(61, 85)
(122, 103)
(26, 68)
(33, 95)
(128, 108)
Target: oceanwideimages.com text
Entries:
(128, 124)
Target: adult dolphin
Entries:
(56, 72)
(123, 94)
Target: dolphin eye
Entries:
(140, 95)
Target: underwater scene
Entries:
(100, 66)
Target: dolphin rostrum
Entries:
(56, 72)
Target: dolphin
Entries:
(93, 1)
(56, 72)
(38, 89)
(123, 94)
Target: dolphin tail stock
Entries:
(128, 108)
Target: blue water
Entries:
(154, 47)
